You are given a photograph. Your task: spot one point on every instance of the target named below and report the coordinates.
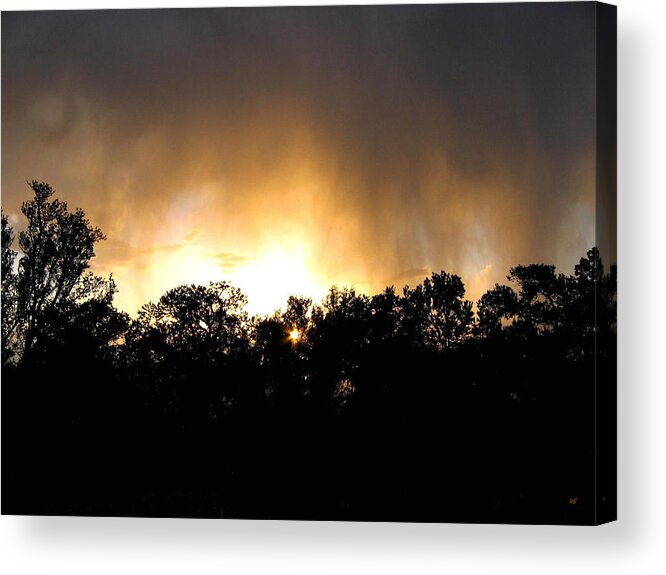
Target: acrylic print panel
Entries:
(338, 263)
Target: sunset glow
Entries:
(275, 275)
(300, 161)
(311, 263)
(185, 267)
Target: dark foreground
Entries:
(403, 406)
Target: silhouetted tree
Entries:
(436, 313)
(9, 297)
(386, 315)
(56, 247)
(296, 314)
(541, 294)
(583, 286)
(497, 307)
(202, 321)
(339, 338)
(188, 350)
(282, 345)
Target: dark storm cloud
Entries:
(394, 137)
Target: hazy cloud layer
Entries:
(369, 141)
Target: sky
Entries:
(289, 149)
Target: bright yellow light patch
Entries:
(294, 335)
(267, 278)
(279, 272)
(185, 266)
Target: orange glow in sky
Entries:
(227, 146)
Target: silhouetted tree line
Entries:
(406, 405)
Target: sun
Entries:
(294, 335)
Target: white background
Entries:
(635, 543)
